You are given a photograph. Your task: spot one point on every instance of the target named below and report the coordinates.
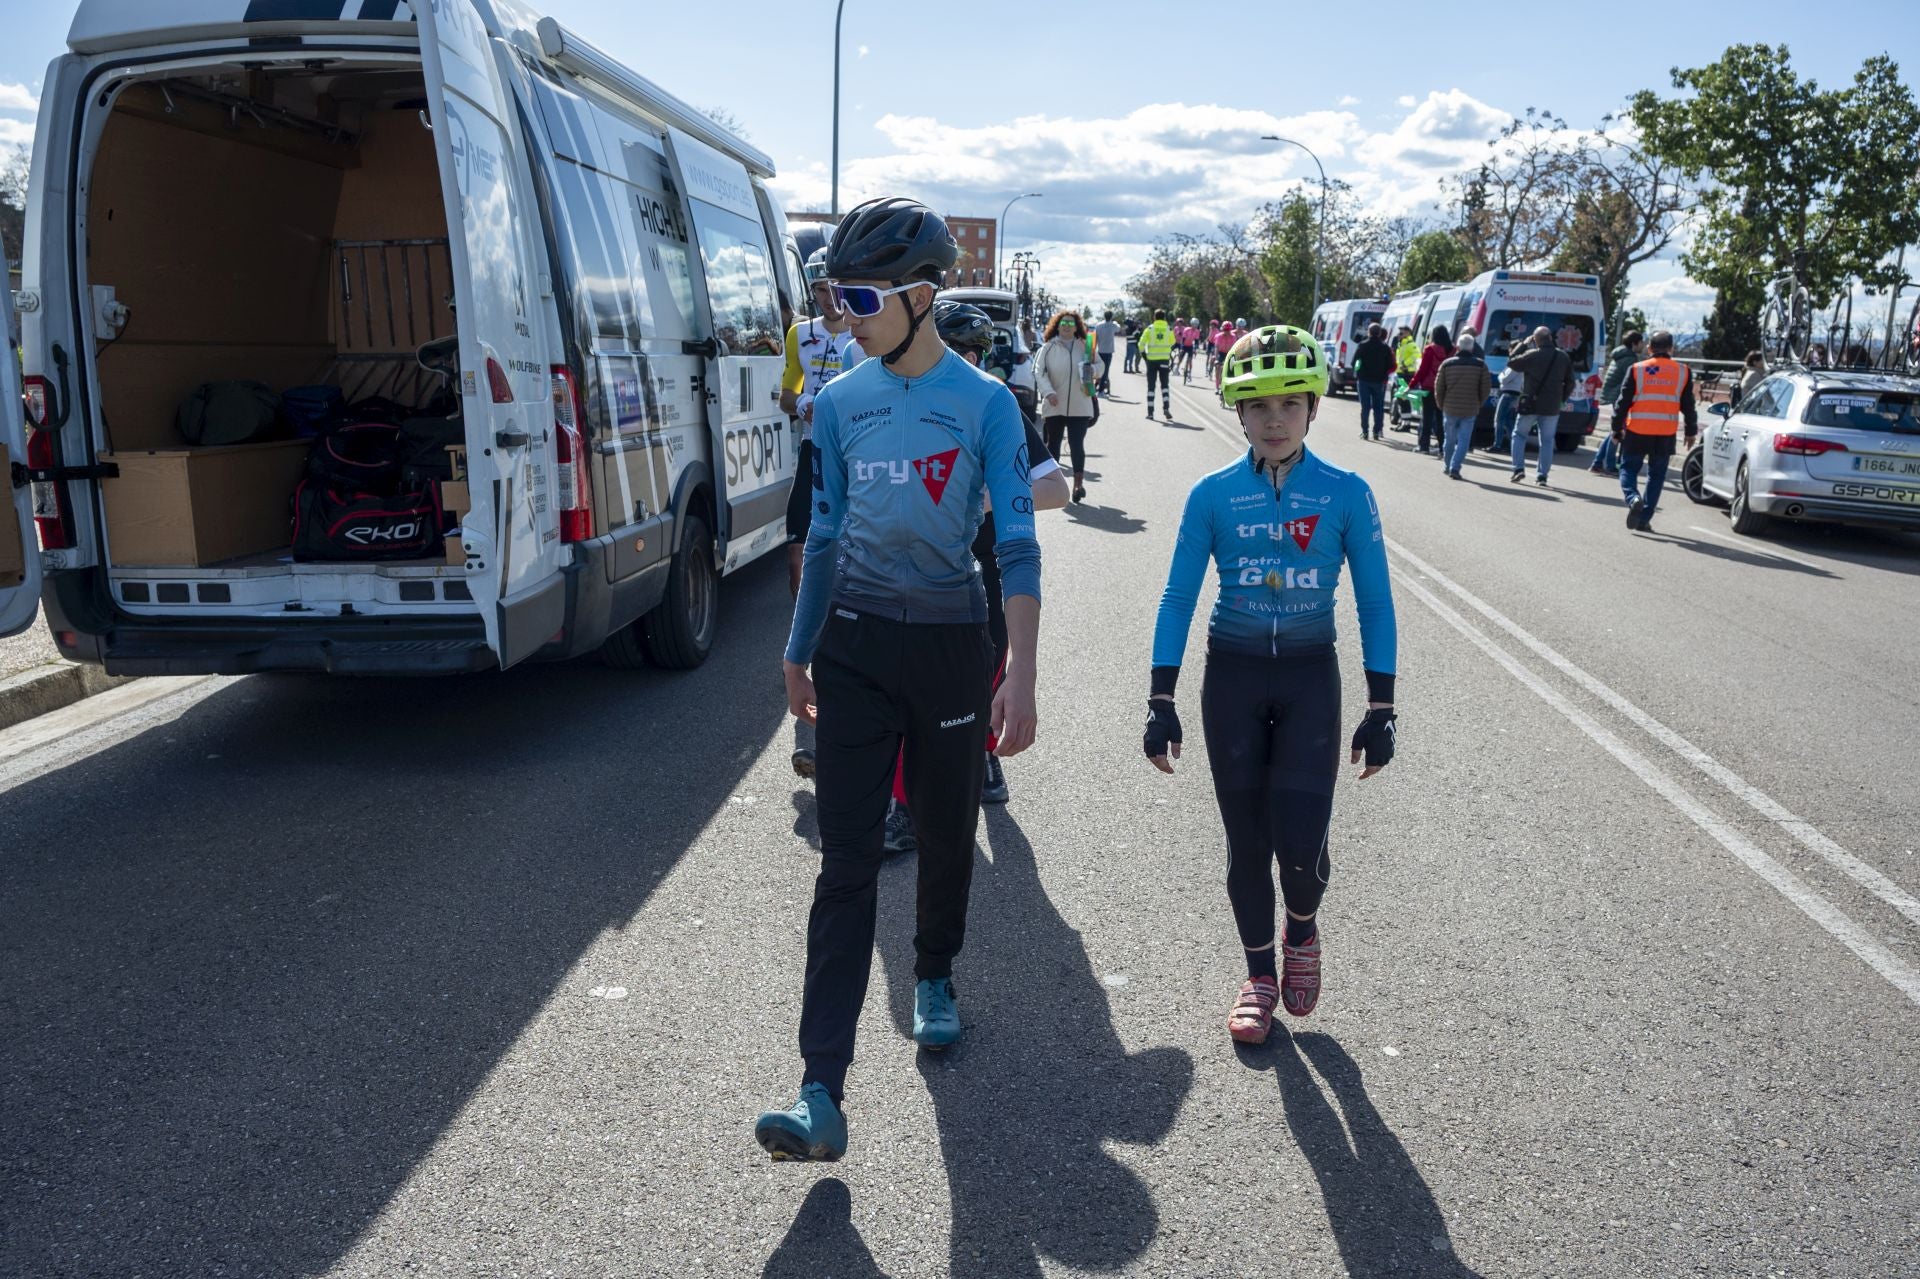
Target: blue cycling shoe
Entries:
(936, 1022)
(813, 1129)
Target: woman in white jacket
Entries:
(1066, 407)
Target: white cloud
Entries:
(15, 133)
(17, 97)
(1404, 100)
(863, 51)
(1113, 185)
(1676, 302)
(1348, 100)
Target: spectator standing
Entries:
(1066, 406)
(1624, 357)
(1132, 364)
(1460, 390)
(1439, 350)
(1750, 376)
(1506, 408)
(1548, 380)
(1104, 334)
(1655, 398)
(1372, 370)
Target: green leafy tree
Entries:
(1189, 295)
(1433, 255)
(1733, 326)
(1826, 182)
(1237, 298)
(1287, 260)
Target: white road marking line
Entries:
(65, 736)
(1823, 912)
(1755, 798)
(1746, 544)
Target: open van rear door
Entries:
(19, 547)
(752, 453)
(512, 531)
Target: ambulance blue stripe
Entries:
(295, 10)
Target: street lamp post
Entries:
(1000, 234)
(836, 105)
(1320, 248)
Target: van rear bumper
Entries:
(87, 629)
(426, 648)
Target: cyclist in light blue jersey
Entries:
(892, 617)
(1277, 526)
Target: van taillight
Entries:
(570, 452)
(497, 384)
(1805, 445)
(1343, 351)
(49, 496)
(38, 394)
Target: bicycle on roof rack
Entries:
(1786, 321)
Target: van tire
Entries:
(678, 633)
(626, 648)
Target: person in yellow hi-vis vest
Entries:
(1156, 350)
(1655, 398)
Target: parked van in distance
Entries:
(1405, 310)
(1340, 326)
(1503, 307)
(458, 218)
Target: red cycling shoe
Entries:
(1300, 985)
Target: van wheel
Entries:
(1746, 521)
(1693, 479)
(678, 633)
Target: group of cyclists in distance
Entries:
(917, 607)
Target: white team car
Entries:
(1831, 446)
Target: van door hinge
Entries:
(25, 475)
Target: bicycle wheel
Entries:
(1773, 325)
(1911, 340)
(1799, 327)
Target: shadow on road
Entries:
(258, 958)
(1107, 519)
(1027, 1101)
(1895, 552)
(822, 1242)
(1178, 426)
(1384, 1216)
(1758, 559)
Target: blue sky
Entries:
(1136, 120)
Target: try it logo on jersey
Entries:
(1301, 530)
(934, 471)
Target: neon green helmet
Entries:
(1276, 360)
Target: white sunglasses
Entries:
(863, 301)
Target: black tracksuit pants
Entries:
(1272, 727)
(878, 681)
(1157, 371)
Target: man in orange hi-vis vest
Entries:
(1655, 398)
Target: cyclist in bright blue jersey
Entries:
(892, 617)
(1277, 525)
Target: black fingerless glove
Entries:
(1163, 727)
(1375, 736)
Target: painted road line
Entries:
(1802, 830)
(1746, 544)
(1817, 908)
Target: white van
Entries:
(302, 195)
(1505, 306)
(1341, 326)
(1408, 310)
(1002, 307)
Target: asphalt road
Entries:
(490, 976)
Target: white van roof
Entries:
(101, 26)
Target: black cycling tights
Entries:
(1273, 738)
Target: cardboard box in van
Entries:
(194, 507)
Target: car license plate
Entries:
(1887, 465)
(1879, 493)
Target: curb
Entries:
(48, 688)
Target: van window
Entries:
(1361, 319)
(739, 284)
(591, 238)
(1572, 333)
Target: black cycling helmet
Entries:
(964, 326)
(891, 239)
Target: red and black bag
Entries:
(330, 524)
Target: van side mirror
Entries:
(1720, 410)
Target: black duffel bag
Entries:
(362, 457)
(337, 524)
(423, 449)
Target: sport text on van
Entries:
(222, 194)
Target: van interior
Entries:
(279, 224)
